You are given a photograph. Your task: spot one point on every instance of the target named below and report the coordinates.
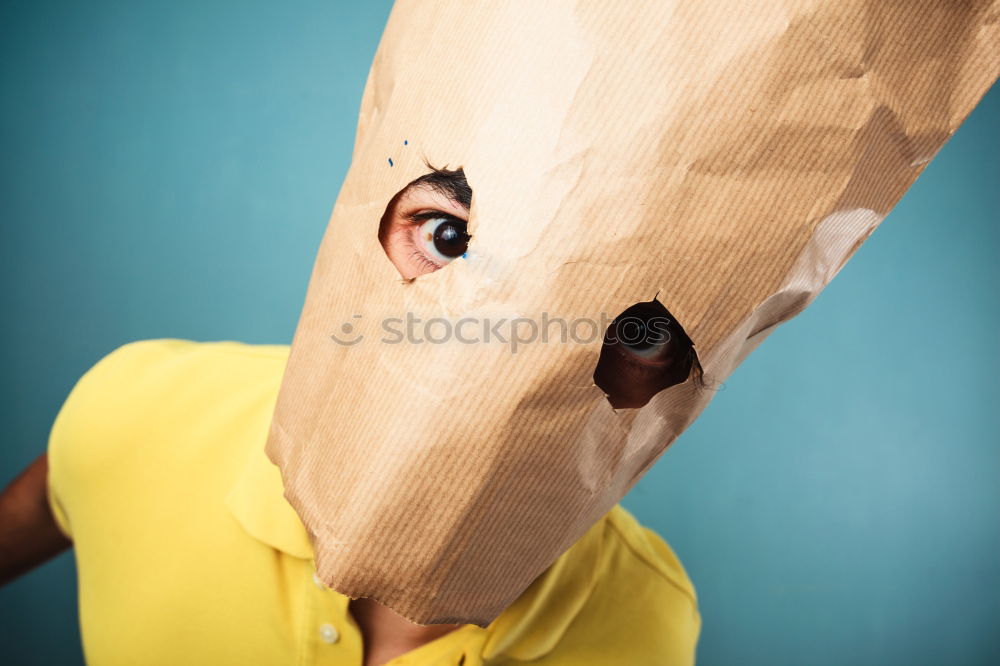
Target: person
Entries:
(187, 551)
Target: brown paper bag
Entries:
(725, 157)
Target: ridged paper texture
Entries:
(725, 157)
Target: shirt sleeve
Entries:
(57, 511)
(642, 610)
(92, 423)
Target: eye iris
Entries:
(450, 239)
(641, 331)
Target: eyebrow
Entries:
(451, 184)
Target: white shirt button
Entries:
(316, 579)
(328, 633)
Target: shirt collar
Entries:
(257, 501)
(527, 629)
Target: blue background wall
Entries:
(168, 170)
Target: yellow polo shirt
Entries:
(187, 552)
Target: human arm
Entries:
(29, 534)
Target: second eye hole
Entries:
(645, 351)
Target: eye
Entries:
(424, 226)
(645, 335)
(443, 237)
(642, 331)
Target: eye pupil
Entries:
(636, 334)
(450, 239)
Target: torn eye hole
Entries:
(645, 351)
(425, 226)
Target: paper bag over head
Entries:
(723, 157)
